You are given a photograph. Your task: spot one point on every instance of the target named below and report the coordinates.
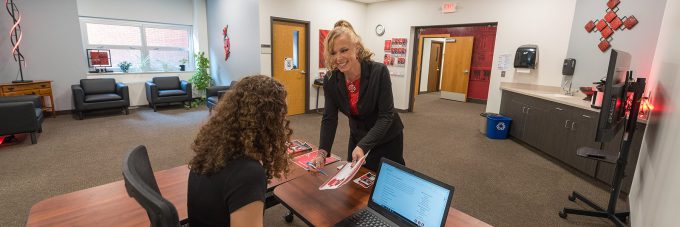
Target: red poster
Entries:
(322, 38)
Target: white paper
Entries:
(523, 70)
(344, 175)
(504, 62)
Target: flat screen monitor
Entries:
(613, 111)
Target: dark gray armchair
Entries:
(21, 114)
(96, 94)
(214, 93)
(168, 90)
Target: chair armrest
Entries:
(221, 93)
(22, 98)
(78, 95)
(186, 87)
(18, 117)
(151, 91)
(123, 91)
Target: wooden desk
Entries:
(325, 208)
(109, 204)
(43, 88)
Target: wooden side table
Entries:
(43, 88)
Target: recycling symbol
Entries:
(500, 126)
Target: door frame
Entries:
(415, 80)
(417, 49)
(307, 66)
(439, 76)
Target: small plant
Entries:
(124, 66)
(182, 64)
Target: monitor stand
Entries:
(620, 218)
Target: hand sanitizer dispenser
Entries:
(526, 57)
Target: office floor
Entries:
(497, 181)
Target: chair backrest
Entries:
(167, 82)
(140, 184)
(98, 86)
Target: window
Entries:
(148, 46)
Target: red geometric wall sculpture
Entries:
(609, 24)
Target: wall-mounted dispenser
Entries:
(526, 57)
(568, 67)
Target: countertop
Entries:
(553, 94)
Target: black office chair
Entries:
(140, 184)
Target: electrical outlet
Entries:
(502, 73)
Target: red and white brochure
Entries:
(344, 175)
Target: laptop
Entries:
(403, 197)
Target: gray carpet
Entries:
(497, 181)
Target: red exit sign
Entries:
(448, 7)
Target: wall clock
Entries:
(379, 30)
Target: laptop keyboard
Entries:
(366, 218)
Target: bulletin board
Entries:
(395, 52)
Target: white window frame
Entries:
(144, 49)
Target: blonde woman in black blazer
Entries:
(361, 89)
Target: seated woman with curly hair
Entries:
(238, 151)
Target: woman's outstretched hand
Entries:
(357, 154)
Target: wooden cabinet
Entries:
(42, 88)
(528, 118)
(559, 130)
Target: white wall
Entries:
(321, 14)
(425, 68)
(200, 22)
(243, 20)
(165, 11)
(655, 191)
(519, 22)
(640, 42)
(51, 45)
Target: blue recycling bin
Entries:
(497, 127)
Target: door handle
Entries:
(303, 72)
(586, 116)
(524, 109)
(528, 108)
(572, 125)
(466, 72)
(565, 123)
(560, 109)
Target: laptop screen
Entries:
(415, 199)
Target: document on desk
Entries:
(344, 175)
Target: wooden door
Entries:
(435, 66)
(289, 62)
(456, 71)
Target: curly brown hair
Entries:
(249, 121)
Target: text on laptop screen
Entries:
(410, 196)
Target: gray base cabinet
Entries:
(559, 130)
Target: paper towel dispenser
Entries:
(526, 57)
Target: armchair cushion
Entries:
(102, 97)
(213, 99)
(98, 86)
(167, 83)
(166, 93)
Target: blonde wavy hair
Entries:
(343, 28)
(249, 121)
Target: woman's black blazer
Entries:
(378, 121)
